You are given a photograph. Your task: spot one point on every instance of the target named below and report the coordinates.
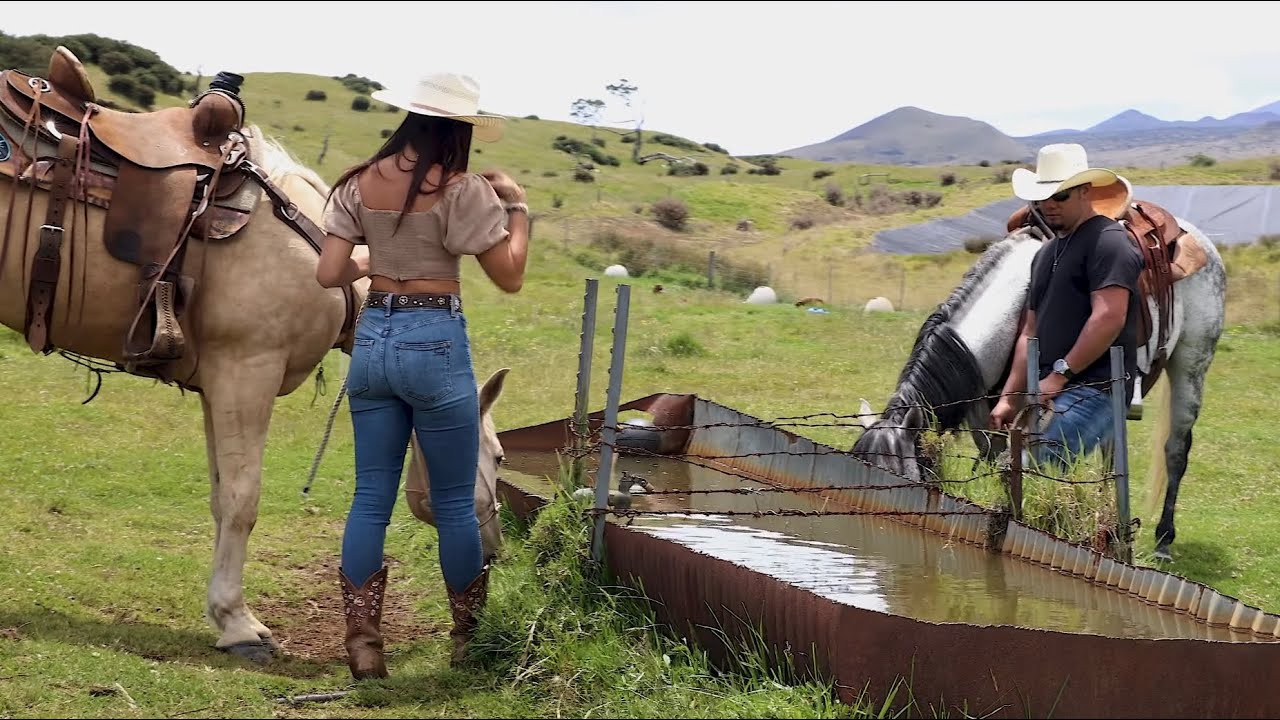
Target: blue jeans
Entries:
(411, 371)
(1082, 420)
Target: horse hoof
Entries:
(255, 652)
(1162, 554)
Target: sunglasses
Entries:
(1061, 195)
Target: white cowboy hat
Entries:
(1058, 167)
(447, 95)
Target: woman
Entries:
(418, 209)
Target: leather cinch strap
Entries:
(46, 264)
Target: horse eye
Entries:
(500, 458)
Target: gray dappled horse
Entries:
(964, 348)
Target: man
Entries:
(1083, 299)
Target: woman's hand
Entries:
(508, 190)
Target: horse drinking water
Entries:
(963, 350)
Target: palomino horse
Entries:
(257, 326)
(963, 350)
(256, 322)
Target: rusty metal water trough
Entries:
(950, 668)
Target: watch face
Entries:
(1060, 366)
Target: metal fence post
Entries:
(581, 429)
(1033, 391)
(1120, 449)
(609, 432)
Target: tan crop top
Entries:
(467, 220)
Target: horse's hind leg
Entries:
(238, 400)
(1188, 365)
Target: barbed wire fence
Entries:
(885, 471)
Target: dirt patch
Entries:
(313, 628)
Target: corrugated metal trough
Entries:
(994, 670)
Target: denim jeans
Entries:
(1082, 420)
(411, 371)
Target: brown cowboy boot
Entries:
(363, 607)
(464, 606)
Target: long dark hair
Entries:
(435, 140)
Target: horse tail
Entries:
(1158, 473)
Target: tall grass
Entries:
(557, 623)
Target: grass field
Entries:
(106, 533)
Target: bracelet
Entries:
(522, 207)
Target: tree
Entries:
(624, 91)
(587, 112)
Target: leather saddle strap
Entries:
(288, 212)
(46, 265)
(29, 129)
(1157, 253)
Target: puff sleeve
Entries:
(477, 220)
(342, 213)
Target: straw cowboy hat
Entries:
(1058, 167)
(447, 95)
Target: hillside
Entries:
(803, 226)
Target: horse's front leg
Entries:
(238, 400)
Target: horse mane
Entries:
(941, 372)
(271, 155)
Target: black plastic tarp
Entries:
(1228, 214)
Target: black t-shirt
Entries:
(1098, 254)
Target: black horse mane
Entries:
(941, 373)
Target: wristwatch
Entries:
(1061, 367)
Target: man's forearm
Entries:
(1100, 331)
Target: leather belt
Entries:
(380, 299)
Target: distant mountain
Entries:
(1127, 121)
(913, 136)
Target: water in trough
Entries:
(874, 562)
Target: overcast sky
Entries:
(755, 78)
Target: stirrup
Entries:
(167, 343)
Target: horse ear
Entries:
(866, 415)
(491, 390)
(916, 419)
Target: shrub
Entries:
(316, 95)
(822, 172)
(984, 163)
(729, 169)
(583, 175)
(386, 132)
(947, 179)
(685, 169)
(979, 245)
(1275, 170)
(1202, 160)
(834, 195)
(671, 213)
(801, 222)
(597, 141)
(713, 147)
(360, 103)
(115, 62)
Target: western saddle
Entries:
(1169, 253)
(164, 177)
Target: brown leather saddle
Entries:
(1169, 253)
(164, 178)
